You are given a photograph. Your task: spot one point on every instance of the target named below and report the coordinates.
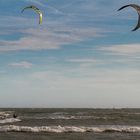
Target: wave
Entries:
(74, 129)
(62, 117)
(6, 117)
(71, 117)
(60, 113)
(4, 114)
(9, 120)
(66, 117)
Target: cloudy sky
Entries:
(83, 55)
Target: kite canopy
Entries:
(36, 10)
(137, 8)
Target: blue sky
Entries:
(83, 55)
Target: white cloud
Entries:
(94, 77)
(122, 49)
(102, 88)
(48, 38)
(22, 64)
(86, 62)
(78, 60)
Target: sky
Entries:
(83, 55)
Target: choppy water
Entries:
(70, 124)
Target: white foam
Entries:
(75, 129)
(9, 120)
(68, 117)
(4, 114)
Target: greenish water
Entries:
(70, 124)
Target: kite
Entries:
(137, 8)
(36, 10)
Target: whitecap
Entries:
(4, 114)
(72, 129)
(9, 120)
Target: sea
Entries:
(69, 124)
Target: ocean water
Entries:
(70, 124)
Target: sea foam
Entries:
(4, 114)
(74, 129)
(9, 120)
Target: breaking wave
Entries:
(4, 115)
(74, 129)
(70, 117)
(9, 120)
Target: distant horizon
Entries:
(64, 108)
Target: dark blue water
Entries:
(70, 124)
